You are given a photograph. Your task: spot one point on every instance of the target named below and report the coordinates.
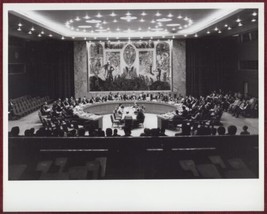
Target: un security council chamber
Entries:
(133, 93)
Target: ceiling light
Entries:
(254, 14)
(19, 24)
(141, 37)
(253, 20)
(84, 30)
(229, 28)
(118, 29)
(142, 20)
(173, 25)
(129, 38)
(186, 18)
(84, 26)
(39, 35)
(73, 37)
(62, 37)
(95, 37)
(159, 24)
(72, 28)
(77, 19)
(185, 35)
(226, 25)
(151, 37)
(238, 20)
(170, 15)
(98, 15)
(93, 21)
(30, 32)
(149, 28)
(173, 37)
(163, 36)
(50, 35)
(19, 29)
(104, 22)
(113, 14)
(107, 38)
(173, 28)
(179, 17)
(143, 14)
(86, 17)
(180, 27)
(195, 35)
(158, 14)
(216, 29)
(185, 26)
(32, 29)
(208, 32)
(84, 38)
(139, 29)
(115, 20)
(219, 31)
(71, 21)
(42, 32)
(164, 20)
(128, 18)
(240, 24)
(128, 14)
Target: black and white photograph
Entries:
(133, 106)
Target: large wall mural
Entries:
(128, 66)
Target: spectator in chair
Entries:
(221, 130)
(127, 131)
(108, 132)
(115, 134)
(245, 131)
(162, 132)
(231, 130)
(14, 131)
(81, 132)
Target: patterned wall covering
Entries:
(80, 69)
(145, 61)
(144, 65)
(179, 67)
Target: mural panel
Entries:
(131, 66)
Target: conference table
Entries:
(154, 107)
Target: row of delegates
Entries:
(186, 130)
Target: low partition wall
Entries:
(109, 107)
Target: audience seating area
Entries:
(180, 157)
(27, 104)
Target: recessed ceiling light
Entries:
(170, 15)
(142, 20)
(118, 29)
(128, 13)
(19, 29)
(84, 26)
(113, 14)
(143, 14)
(219, 31)
(173, 28)
(95, 37)
(173, 25)
(158, 14)
(151, 37)
(19, 24)
(164, 20)
(173, 37)
(42, 32)
(93, 21)
(84, 38)
(77, 19)
(115, 20)
(180, 27)
(128, 18)
(159, 24)
(226, 25)
(253, 20)
(104, 22)
(238, 20)
(73, 37)
(179, 17)
(153, 21)
(229, 28)
(141, 37)
(163, 36)
(71, 21)
(216, 29)
(254, 14)
(195, 35)
(50, 35)
(30, 32)
(86, 17)
(98, 15)
(208, 32)
(185, 26)
(185, 35)
(139, 28)
(107, 38)
(39, 35)
(32, 29)
(186, 18)
(240, 24)
(62, 37)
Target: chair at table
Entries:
(115, 123)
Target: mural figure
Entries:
(129, 55)
(108, 71)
